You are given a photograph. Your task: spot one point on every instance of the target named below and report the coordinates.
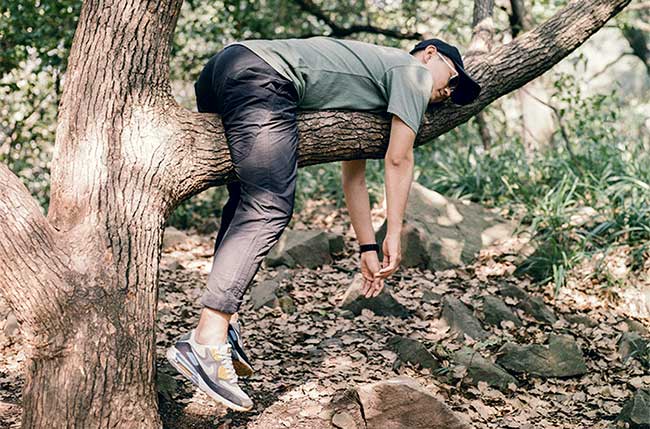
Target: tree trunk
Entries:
(538, 122)
(83, 281)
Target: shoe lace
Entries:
(225, 357)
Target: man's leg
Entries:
(263, 138)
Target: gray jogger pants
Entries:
(258, 108)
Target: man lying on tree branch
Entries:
(257, 86)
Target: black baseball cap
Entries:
(468, 89)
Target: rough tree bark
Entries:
(83, 280)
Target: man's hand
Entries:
(392, 250)
(372, 285)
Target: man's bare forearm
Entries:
(398, 178)
(357, 201)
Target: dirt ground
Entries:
(304, 360)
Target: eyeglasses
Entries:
(453, 80)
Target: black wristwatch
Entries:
(367, 247)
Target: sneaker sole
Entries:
(183, 367)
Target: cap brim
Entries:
(467, 90)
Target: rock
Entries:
(263, 294)
(431, 297)
(536, 307)
(165, 385)
(413, 352)
(513, 291)
(383, 304)
(561, 358)
(579, 319)
(173, 238)
(461, 320)
(481, 369)
(401, 403)
(638, 327)
(208, 227)
(636, 410)
(11, 325)
(336, 243)
(286, 304)
(495, 311)
(343, 420)
(171, 265)
(532, 305)
(441, 233)
(631, 344)
(283, 273)
(306, 248)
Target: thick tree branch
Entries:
(334, 136)
(34, 262)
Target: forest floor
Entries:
(306, 359)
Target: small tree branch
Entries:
(339, 31)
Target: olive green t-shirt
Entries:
(331, 73)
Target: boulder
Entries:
(401, 403)
(495, 311)
(636, 410)
(413, 352)
(461, 320)
(561, 358)
(263, 294)
(383, 304)
(305, 248)
(481, 369)
(440, 233)
(173, 238)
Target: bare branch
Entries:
(339, 31)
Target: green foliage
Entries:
(586, 192)
(43, 26)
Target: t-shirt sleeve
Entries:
(409, 90)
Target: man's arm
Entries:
(356, 198)
(398, 164)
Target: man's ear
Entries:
(429, 52)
